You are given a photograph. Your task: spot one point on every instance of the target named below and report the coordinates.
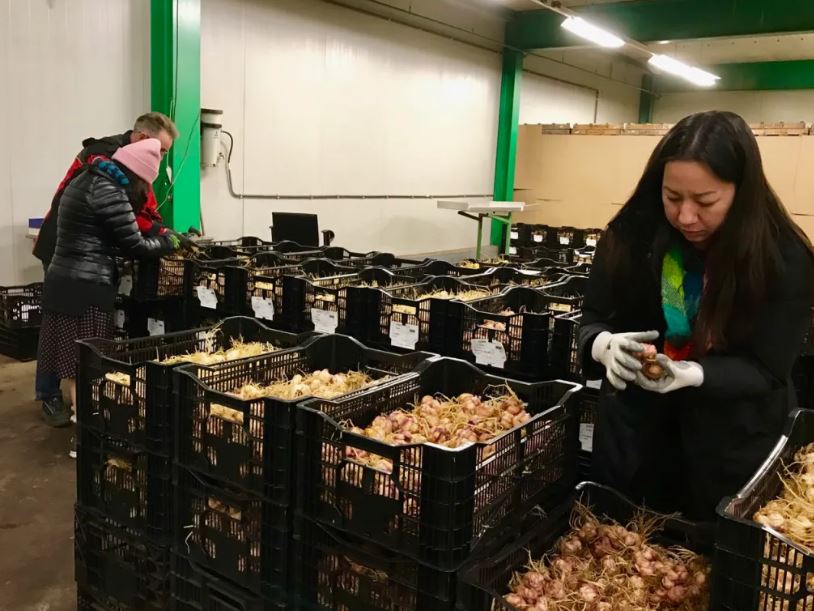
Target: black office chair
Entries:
(298, 227)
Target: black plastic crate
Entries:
(21, 306)
(588, 404)
(335, 571)
(565, 237)
(205, 291)
(151, 278)
(564, 358)
(86, 602)
(581, 269)
(147, 318)
(508, 333)
(233, 533)
(131, 486)
(117, 569)
(125, 392)
(438, 502)
(502, 277)
(437, 267)
(266, 294)
(566, 296)
(584, 256)
(236, 278)
(19, 344)
(321, 304)
(484, 584)
(757, 567)
(195, 588)
(249, 443)
(405, 313)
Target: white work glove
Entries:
(677, 374)
(616, 352)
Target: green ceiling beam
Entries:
(650, 20)
(753, 76)
(175, 79)
(507, 128)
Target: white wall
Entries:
(616, 83)
(754, 106)
(325, 100)
(543, 100)
(68, 70)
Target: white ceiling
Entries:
(742, 49)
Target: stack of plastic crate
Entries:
(125, 450)
(393, 532)
(235, 475)
(20, 318)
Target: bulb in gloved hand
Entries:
(651, 368)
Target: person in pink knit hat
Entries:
(96, 222)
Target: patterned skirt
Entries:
(58, 352)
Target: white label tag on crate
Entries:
(489, 353)
(597, 384)
(118, 319)
(263, 308)
(565, 241)
(590, 242)
(324, 321)
(155, 326)
(403, 336)
(126, 285)
(586, 436)
(512, 250)
(207, 297)
(538, 238)
(515, 235)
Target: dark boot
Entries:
(56, 413)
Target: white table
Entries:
(477, 211)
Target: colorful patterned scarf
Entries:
(682, 283)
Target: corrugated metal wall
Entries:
(68, 69)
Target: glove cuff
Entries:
(600, 345)
(695, 374)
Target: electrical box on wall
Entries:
(211, 123)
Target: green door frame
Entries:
(507, 127)
(175, 79)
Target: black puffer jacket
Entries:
(96, 222)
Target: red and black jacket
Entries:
(148, 219)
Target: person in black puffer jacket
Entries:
(96, 222)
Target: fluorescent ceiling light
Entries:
(696, 76)
(589, 31)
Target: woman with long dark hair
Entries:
(703, 261)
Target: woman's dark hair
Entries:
(137, 191)
(744, 255)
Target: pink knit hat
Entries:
(142, 158)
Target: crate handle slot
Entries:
(119, 463)
(225, 413)
(228, 510)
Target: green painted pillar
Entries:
(508, 120)
(175, 78)
(646, 99)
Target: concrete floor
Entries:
(37, 493)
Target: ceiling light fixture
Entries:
(588, 31)
(696, 76)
